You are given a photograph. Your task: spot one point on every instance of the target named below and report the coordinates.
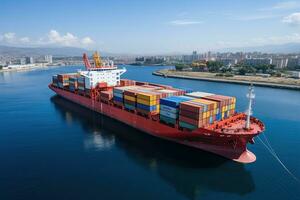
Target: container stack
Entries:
(169, 108)
(55, 80)
(73, 84)
(106, 96)
(148, 102)
(118, 95)
(63, 80)
(197, 113)
(130, 99)
(81, 84)
(225, 104)
(127, 82)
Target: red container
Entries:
(141, 83)
(194, 122)
(131, 93)
(190, 107)
(191, 115)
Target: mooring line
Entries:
(273, 153)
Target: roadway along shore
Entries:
(274, 82)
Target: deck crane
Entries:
(86, 61)
(97, 60)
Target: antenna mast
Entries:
(250, 96)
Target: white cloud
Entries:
(256, 17)
(53, 38)
(24, 39)
(284, 39)
(288, 5)
(292, 19)
(87, 41)
(11, 38)
(184, 22)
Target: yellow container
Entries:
(223, 109)
(146, 102)
(147, 97)
(206, 102)
(214, 111)
(234, 100)
(130, 98)
(223, 115)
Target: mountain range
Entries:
(75, 51)
(40, 51)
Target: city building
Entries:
(280, 63)
(48, 59)
(295, 74)
(29, 60)
(293, 62)
(22, 61)
(257, 61)
(228, 62)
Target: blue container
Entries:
(118, 95)
(168, 109)
(168, 114)
(146, 107)
(211, 120)
(218, 117)
(118, 99)
(174, 101)
(72, 88)
(118, 91)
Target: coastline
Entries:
(226, 80)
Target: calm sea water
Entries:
(51, 148)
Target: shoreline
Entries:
(223, 80)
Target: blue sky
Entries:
(153, 27)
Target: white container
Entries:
(199, 94)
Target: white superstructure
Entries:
(94, 76)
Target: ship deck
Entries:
(235, 125)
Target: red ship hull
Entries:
(231, 146)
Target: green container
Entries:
(187, 125)
(130, 107)
(167, 119)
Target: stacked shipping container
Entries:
(81, 84)
(73, 84)
(197, 113)
(127, 82)
(55, 80)
(148, 102)
(63, 79)
(106, 96)
(225, 104)
(169, 108)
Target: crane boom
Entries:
(86, 61)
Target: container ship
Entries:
(199, 120)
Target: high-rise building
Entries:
(22, 61)
(29, 60)
(48, 58)
(280, 63)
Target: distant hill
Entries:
(282, 48)
(40, 51)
